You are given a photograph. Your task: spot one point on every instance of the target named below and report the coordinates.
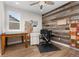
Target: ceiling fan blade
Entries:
(34, 3)
(49, 2)
(41, 7)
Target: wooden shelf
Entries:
(58, 18)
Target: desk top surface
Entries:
(14, 34)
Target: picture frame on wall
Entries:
(34, 23)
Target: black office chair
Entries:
(46, 36)
(46, 44)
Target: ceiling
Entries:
(36, 9)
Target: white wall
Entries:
(2, 19)
(2, 16)
(26, 16)
(30, 16)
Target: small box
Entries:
(77, 33)
(73, 45)
(77, 44)
(73, 29)
(72, 33)
(73, 37)
(73, 25)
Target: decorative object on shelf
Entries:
(75, 17)
(77, 44)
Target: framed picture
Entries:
(34, 23)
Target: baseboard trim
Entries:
(65, 45)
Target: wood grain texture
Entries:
(3, 40)
(33, 51)
(3, 44)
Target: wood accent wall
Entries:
(59, 20)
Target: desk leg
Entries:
(6, 41)
(22, 39)
(3, 44)
(25, 39)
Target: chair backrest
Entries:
(46, 33)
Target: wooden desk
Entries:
(3, 40)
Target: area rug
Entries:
(47, 48)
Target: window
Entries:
(14, 19)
